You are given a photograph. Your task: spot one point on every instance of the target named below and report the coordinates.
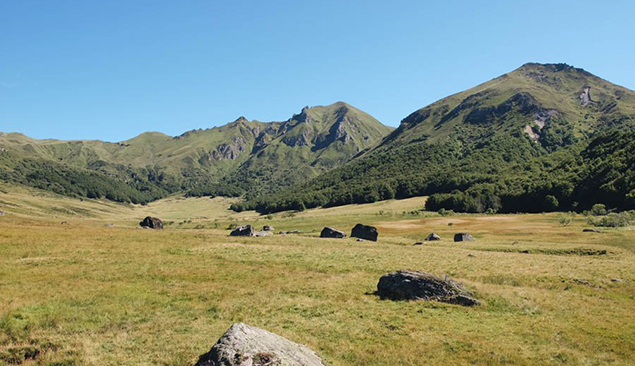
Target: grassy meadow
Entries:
(97, 290)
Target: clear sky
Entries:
(110, 70)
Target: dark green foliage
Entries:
(573, 178)
(142, 186)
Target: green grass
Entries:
(86, 294)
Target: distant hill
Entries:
(540, 138)
(242, 157)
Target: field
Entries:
(97, 290)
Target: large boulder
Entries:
(243, 230)
(151, 223)
(413, 285)
(364, 232)
(432, 237)
(463, 237)
(244, 345)
(329, 232)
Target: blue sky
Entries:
(112, 69)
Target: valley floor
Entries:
(97, 290)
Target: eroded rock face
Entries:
(329, 232)
(152, 223)
(229, 151)
(244, 345)
(413, 285)
(364, 232)
(585, 96)
(243, 230)
(463, 237)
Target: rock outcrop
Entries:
(463, 237)
(244, 345)
(413, 285)
(329, 232)
(243, 230)
(151, 223)
(585, 96)
(364, 232)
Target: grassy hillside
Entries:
(84, 293)
(242, 156)
(506, 145)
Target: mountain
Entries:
(240, 157)
(525, 141)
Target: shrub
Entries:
(621, 219)
(566, 218)
(598, 209)
(551, 203)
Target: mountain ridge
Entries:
(488, 145)
(198, 160)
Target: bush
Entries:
(566, 218)
(551, 203)
(598, 209)
(621, 219)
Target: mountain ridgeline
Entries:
(543, 137)
(240, 158)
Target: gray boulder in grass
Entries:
(243, 230)
(414, 285)
(152, 223)
(329, 232)
(244, 345)
(365, 232)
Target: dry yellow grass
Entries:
(86, 294)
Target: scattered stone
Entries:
(244, 345)
(364, 232)
(263, 233)
(591, 231)
(418, 243)
(1, 213)
(432, 237)
(413, 285)
(463, 237)
(471, 255)
(360, 239)
(268, 228)
(329, 232)
(243, 230)
(289, 232)
(526, 252)
(64, 223)
(109, 225)
(617, 280)
(450, 223)
(151, 223)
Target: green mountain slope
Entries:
(240, 157)
(504, 145)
